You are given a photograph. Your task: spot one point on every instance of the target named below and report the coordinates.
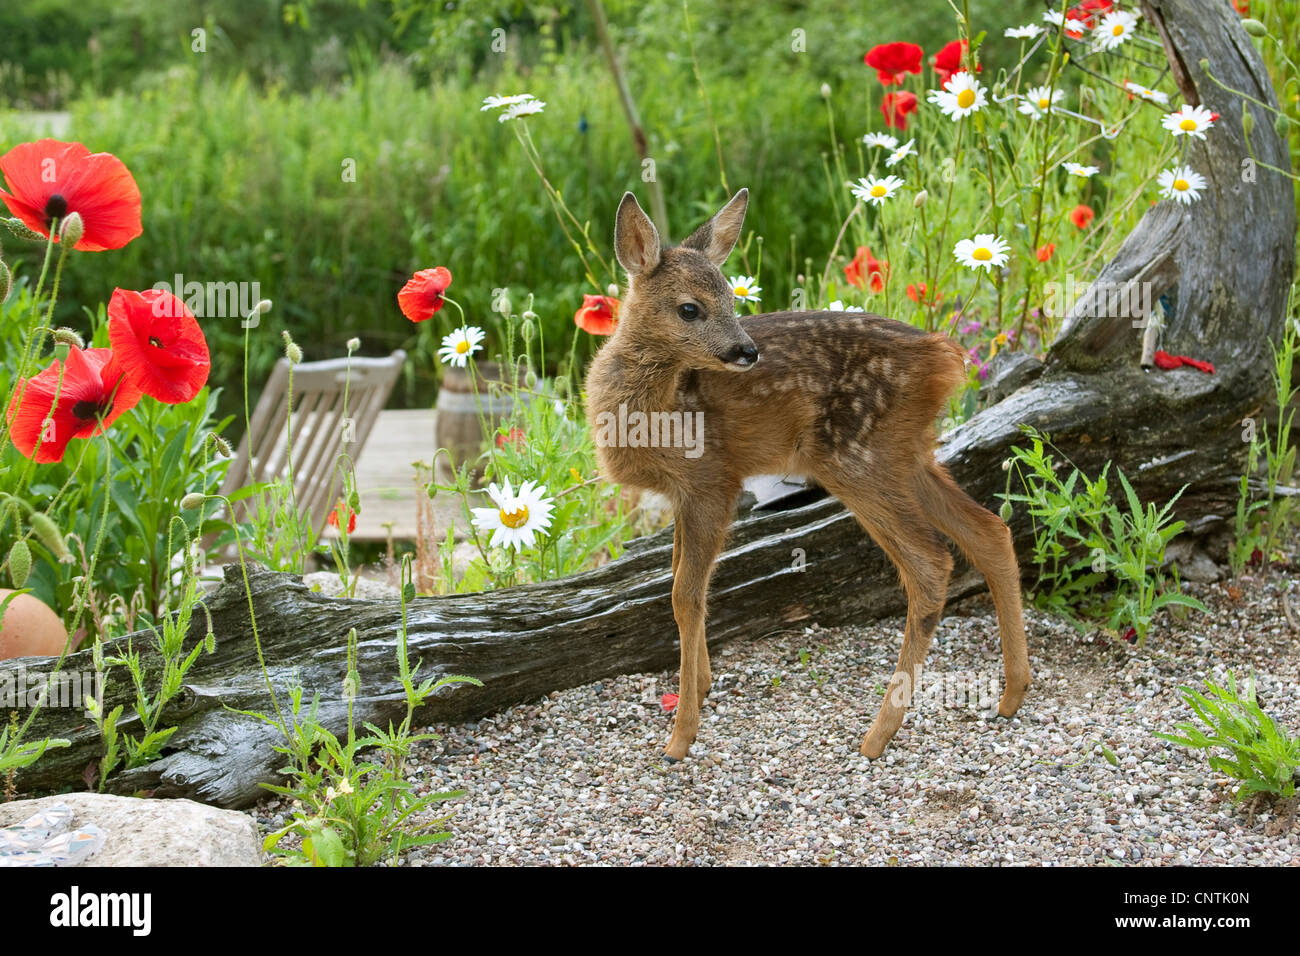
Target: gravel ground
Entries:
(775, 776)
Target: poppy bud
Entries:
(1247, 119)
(291, 350)
(72, 229)
(193, 500)
(6, 282)
(1254, 27)
(612, 290)
(21, 230)
(353, 345)
(48, 533)
(1204, 64)
(1005, 511)
(826, 91)
(354, 502)
(1006, 464)
(69, 337)
(920, 199)
(222, 446)
(210, 643)
(527, 329)
(1154, 543)
(20, 563)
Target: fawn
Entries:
(848, 399)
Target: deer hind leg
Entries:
(985, 539)
(924, 566)
(697, 539)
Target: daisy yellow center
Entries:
(513, 519)
(1044, 103)
(878, 190)
(462, 346)
(1117, 30)
(965, 98)
(982, 254)
(1181, 185)
(1187, 124)
(742, 290)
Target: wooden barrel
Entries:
(462, 416)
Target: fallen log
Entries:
(1225, 261)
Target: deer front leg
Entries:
(697, 539)
(704, 676)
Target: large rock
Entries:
(141, 832)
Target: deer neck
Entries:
(624, 376)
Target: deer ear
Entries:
(717, 237)
(636, 240)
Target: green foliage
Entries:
(150, 459)
(1263, 757)
(1262, 523)
(153, 691)
(1095, 559)
(349, 810)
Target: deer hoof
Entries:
(1011, 701)
(871, 747)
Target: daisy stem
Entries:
(943, 228)
(1041, 185)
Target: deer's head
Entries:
(680, 309)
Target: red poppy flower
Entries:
(669, 702)
(895, 107)
(866, 267)
(1045, 251)
(1076, 15)
(49, 179)
(893, 61)
(917, 294)
(948, 60)
(598, 315)
(91, 397)
(333, 517)
(1090, 12)
(422, 295)
(159, 344)
(1081, 215)
(1242, 7)
(516, 438)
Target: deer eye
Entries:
(689, 311)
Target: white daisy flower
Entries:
(880, 139)
(838, 306)
(1027, 32)
(1038, 100)
(522, 109)
(1181, 183)
(1155, 96)
(984, 251)
(875, 190)
(1078, 169)
(743, 288)
(460, 345)
(1189, 121)
(960, 96)
(900, 154)
(1054, 17)
(496, 102)
(1115, 27)
(517, 518)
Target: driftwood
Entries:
(1225, 261)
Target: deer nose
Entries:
(742, 356)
